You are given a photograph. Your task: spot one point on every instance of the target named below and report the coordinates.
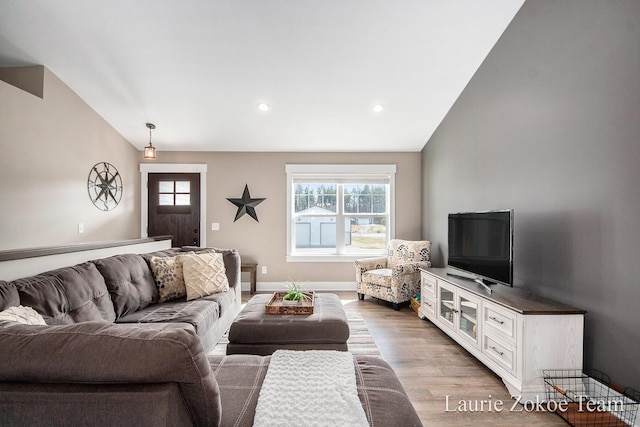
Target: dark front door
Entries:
(174, 207)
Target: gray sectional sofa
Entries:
(121, 289)
(111, 355)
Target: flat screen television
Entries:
(481, 245)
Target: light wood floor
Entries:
(431, 365)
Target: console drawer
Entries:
(428, 284)
(428, 306)
(497, 319)
(499, 353)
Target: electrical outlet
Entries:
(215, 226)
(81, 227)
(264, 269)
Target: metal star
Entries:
(246, 205)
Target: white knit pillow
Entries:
(204, 274)
(22, 314)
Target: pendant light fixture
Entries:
(150, 150)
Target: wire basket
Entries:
(588, 399)
(415, 304)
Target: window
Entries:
(174, 193)
(174, 197)
(339, 212)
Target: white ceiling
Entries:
(198, 68)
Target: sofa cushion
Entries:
(379, 277)
(21, 314)
(162, 253)
(103, 353)
(204, 274)
(167, 272)
(381, 394)
(199, 313)
(8, 295)
(60, 405)
(130, 283)
(225, 300)
(67, 295)
(239, 378)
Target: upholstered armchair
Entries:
(395, 278)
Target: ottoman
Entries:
(255, 332)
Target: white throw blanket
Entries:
(310, 388)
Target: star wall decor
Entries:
(246, 205)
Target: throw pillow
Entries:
(204, 274)
(167, 272)
(21, 314)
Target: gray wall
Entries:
(550, 126)
(48, 145)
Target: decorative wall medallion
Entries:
(105, 186)
(246, 205)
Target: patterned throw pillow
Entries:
(204, 274)
(167, 272)
(21, 314)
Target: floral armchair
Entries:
(395, 278)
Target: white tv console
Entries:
(515, 334)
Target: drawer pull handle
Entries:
(496, 320)
(427, 303)
(501, 353)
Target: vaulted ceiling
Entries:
(198, 69)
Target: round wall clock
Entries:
(105, 186)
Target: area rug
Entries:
(360, 341)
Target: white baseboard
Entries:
(309, 286)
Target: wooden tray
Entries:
(276, 306)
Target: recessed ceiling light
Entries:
(377, 108)
(263, 106)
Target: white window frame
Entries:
(329, 171)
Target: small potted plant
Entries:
(294, 294)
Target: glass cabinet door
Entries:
(446, 304)
(469, 318)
